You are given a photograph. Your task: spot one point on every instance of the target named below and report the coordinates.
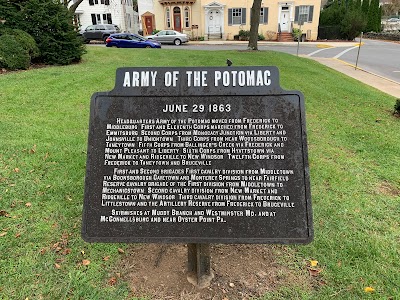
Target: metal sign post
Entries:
(359, 46)
(197, 156)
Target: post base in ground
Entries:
(199, 265)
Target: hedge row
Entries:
(389, 36)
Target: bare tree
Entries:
(73, 7)
(254, 23)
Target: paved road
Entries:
(378, 57)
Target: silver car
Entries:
(169, 37)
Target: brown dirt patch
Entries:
(385, 188)
(240, 272)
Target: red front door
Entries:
(149, 24)
(177, 19)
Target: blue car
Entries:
(130, 40)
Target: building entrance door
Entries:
(177, 19)
(284, 21)
(148, 20)
(214, 21)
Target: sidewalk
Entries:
(381, 83)
(321, 44)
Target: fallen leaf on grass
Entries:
(16, 170)
(28, 204)
(112, 281)
(3, 213)
(106, 258)
(33, 149)
(313, 263)
(17, 235)
(314, 272)
(85, 262)
(3, 233)
(369, 289)
(121, 251)
(57, 266)
(66, 251)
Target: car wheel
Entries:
(148, 46)
(177, 42)
(105, 38)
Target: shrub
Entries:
(49, 23)
(25, 40)
(261, 37)
(13, 56)
(244, 35)
(397, 107)
(352, 24)
(296, 33)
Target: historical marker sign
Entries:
(197, 155)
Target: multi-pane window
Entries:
(264, 15)
(187, 23)
(303, 13)
(168, 17)
(107, 19)
(236, 16)
(93, 2)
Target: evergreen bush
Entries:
(345, 22)
(244, 35)
(397, 107)
(25, 40)
(13, 56)
(50, 24)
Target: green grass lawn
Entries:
(354, 152)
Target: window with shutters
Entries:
(303, 14)
(236, 16)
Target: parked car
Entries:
(99, 32)
(169, 37)
(130, 40)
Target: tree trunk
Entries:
(254, 23)
(74, 6)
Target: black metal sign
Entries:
(197, 155)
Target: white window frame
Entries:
(186, 13)
(168, 17)
(236, 16)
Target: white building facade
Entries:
(118, 12)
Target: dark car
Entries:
(99, 32)
(130, 40)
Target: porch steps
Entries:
(214, 36)
(285, 37)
